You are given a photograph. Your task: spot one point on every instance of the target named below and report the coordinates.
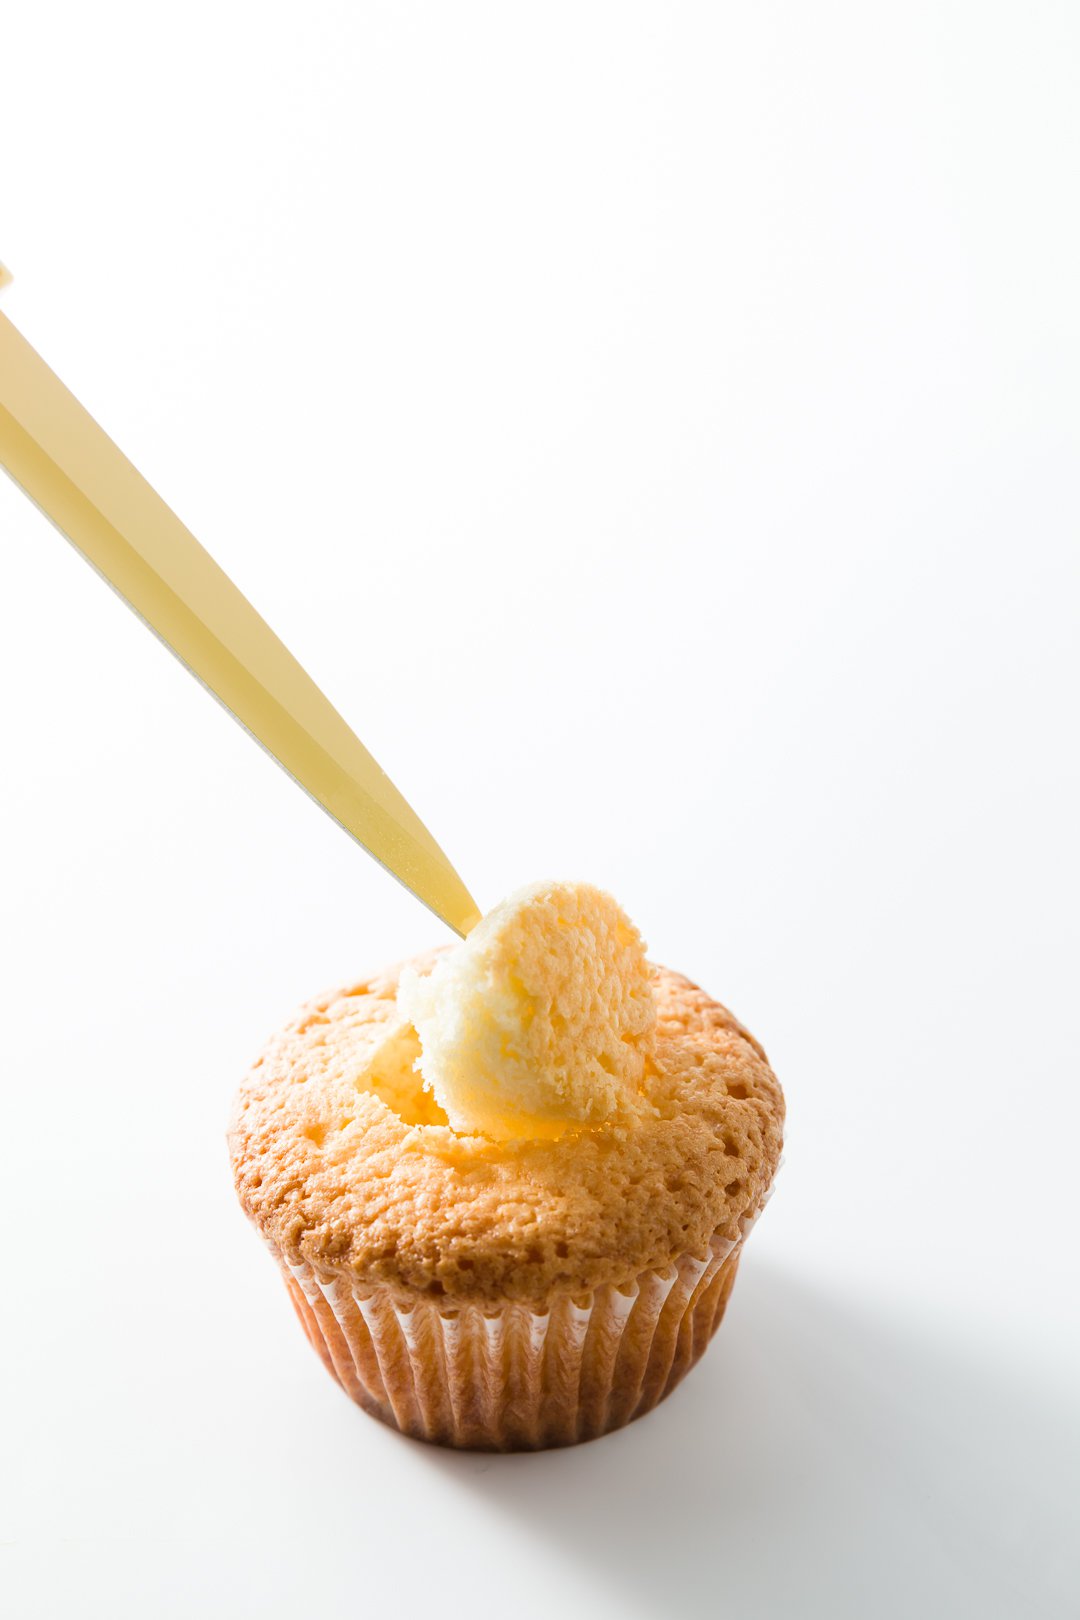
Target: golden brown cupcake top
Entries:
(346, 1162)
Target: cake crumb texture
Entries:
(541, 1018)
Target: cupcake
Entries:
(508, 1184)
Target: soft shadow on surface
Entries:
(818, 1461)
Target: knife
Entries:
(71, 469)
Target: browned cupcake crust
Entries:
(341, 1161)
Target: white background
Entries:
(657, 428)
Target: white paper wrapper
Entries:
(513, 1377)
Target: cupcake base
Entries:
(514, 1377)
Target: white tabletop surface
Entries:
(657, 428)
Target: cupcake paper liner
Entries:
(514, 1376)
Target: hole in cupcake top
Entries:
(392, 1075)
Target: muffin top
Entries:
(344, 1160)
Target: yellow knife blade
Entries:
(66, 464)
